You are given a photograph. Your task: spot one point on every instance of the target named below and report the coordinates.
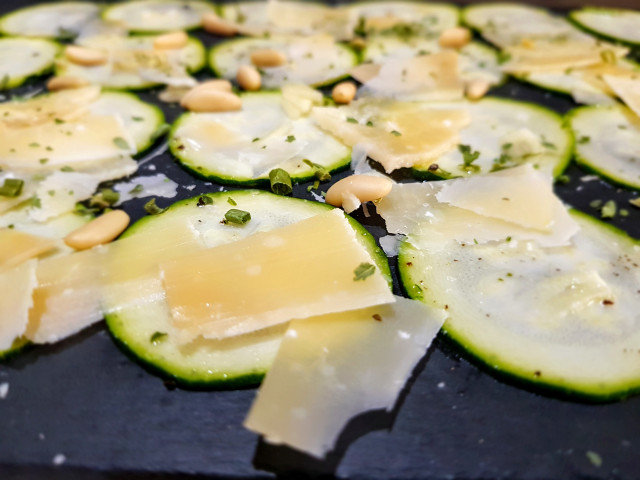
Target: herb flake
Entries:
(363, 271)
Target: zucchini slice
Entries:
(563, 319)
(147, 16)
(241, 148)
(263, 18)
(407, 18)
(476, 61)
(615, 24)
(22, 58)
(51, 20)
(505, 133)
(134, 65)
(506, 24)
(313, 60)
(232, 362)
(608, 142)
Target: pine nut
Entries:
(363, 187)
(171, 41)
(88, 57)
(268, 57)
(98, 231)
(249, 78)
(65, 82)
(219, 84)
(344, 92)
(212, 23)
(477, 89)
(456, 37)
(210, 100)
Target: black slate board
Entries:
(110, 418)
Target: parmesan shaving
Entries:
(16, 286)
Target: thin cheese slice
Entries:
(63, 105)
(79, 142)
(17, 247)
(395, 134)
(414, 210)
(425, 77)
(545, 56)
(508, 195)
(270, 278)
(627, 89)
(76, 290)
(16, 286)
(330, 368)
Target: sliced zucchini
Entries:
(22, 58)
(608, 142)
(504, 133)
(262, 18)
(134, 64)
(18, 345)
(235, 361)
(615, 24)
(562, 318)
(407, 18)
(143, 121)
(157, 15)
(506, 24)
(51, 20)
(477, 60)
(241, 148)
(313, 60)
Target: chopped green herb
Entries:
(280, 181)
(152, 209)
(58, 121)
(369, 123)
(43, 161)
(624, 212)
(608, 56)
(12, 187)
(51, 193)
(121, 143)
(66, 168)
(255, 139)
(363, 271)
(35, 202)
(157, 337)
(82, 209)
(231, 201)
(290, 138)
(609, 209)
(319, 171)
(137, 119)
(136, 190)
(508, 239)
(395, 133)
(351, 120)
(204, 200)
(594, 458)
(104, 198)
(547, 144)
(34, 144)
(239, 217)
(584, 139)
(468, 157)
(507, 146)
(595, 203)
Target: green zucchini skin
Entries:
(592, 165)
(503, 370)
(16, 81)
(573, 17)
(564, 157)
(19, 346)
(116, 323)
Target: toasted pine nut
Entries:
(249, 78)
(98, 231)
(344, 92)
(87, 57)
(456, 37)
(211, 101)
(216, 84)
(364, 187)
(477, 89)
(212, 23)
(65, 82)
(268, 57)
(171, 40)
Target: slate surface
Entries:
(110, 418)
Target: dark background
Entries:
(110, 418)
